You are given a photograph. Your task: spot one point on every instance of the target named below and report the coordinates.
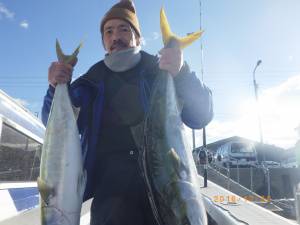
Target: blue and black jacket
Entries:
(87, 93)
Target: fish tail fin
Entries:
(60, 55)
(168, 36)
(67, 58)
(189, 39)
(76, 51)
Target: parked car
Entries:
(236, 153)
(271, 164)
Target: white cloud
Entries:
(24, 24)
(5, 12)
(155, 35)
(279, 110)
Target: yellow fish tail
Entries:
(168, 36)
(66, 58)
(186, 41)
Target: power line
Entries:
(233, 73)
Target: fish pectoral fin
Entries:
(45, 190)
(82, 179)
(175, 160)
(174, 157)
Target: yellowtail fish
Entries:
(62, 178)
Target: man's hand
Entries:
(171, 60)
(60, 73)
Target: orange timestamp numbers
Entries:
(235, 199)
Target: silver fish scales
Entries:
(167, 162)
(62, 179)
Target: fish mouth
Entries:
(54, 215)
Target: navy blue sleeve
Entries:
(197, 101)
(80, 96)
(47, 104)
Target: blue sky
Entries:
(237, 34)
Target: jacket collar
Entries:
(96, 73)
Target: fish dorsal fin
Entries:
(168, 36)
(45, 190)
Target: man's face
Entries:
(118, 35)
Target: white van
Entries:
(235, 153)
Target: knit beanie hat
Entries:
(123, 10)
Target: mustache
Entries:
(118, 43)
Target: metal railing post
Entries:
(251, 178)
(238, 171)
(297, 202)
(228, 177)
(269, 185)
(205, 175)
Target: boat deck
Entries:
(243, 210)
(225, 207)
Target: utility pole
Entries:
(202, 67)
(257, 102)
(194, 139)
(202, 77)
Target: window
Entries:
(19, 156)
(241, 148)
